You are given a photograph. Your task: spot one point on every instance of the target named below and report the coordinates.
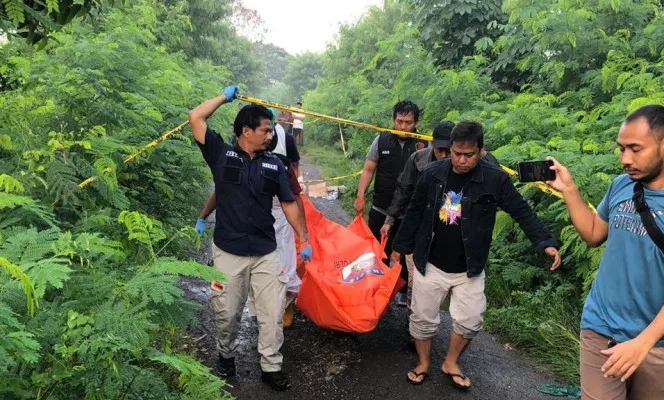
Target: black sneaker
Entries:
(277, 380)
(226, 367)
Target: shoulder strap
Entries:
(646, 216)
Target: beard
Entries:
(654, 171)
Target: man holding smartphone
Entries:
(448, 228)
(622, 325)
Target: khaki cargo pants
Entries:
(646, 383)
(268, 283)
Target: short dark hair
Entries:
(250, 116)
(406, 107)
(654, 114)
(470, 132)
(299, 103)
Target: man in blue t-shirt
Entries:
(622, 326)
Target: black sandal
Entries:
(277, 380)
(226, 367)
(455, 383)
(423, 374)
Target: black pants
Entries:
(376, 221)
(298, 134)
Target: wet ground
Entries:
(328, 365)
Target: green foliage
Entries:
(452, 30)
(35, 20)
(16, 345)
(15, 273)
(89, 306)
(274, 60)
(302, 73)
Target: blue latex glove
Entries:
(231, 93)
(305, 253)
(200, 226)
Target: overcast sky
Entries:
(306, 25)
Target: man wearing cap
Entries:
(386, 160)
(247, 178)
(406, 185)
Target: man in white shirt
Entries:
(298, 126)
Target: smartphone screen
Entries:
(536, 171)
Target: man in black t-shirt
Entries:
(448, 228)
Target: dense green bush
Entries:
(88, 302)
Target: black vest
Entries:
(391, 161)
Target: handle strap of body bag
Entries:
(646, 216)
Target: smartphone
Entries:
(536, 171)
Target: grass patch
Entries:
(543, 324)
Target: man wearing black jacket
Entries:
(448, 228)
(418, 161)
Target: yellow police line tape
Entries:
(140, 151)
(333, 119)
(540, 185)
(336, 178)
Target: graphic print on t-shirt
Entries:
(628, 219)
(450, 210)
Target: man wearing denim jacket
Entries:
(448, 227)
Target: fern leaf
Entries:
(181, 363)
(30, 245)
(142, 228)
(172, 266)
(197, 381)
(51, 272)
(52, 6)
(6, 142)
(503, 222)
(16, 273)
(23, 205)
(91, 246)
(8, 200)
(113, 198)
(106, 170)
(16, 345)
(10, 184)
(63, 182)
(133, 324)
(138, 226)
(152, 287)
(14, 11)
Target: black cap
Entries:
(442, 135)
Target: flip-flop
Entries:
(454, 383)
(417, 375)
